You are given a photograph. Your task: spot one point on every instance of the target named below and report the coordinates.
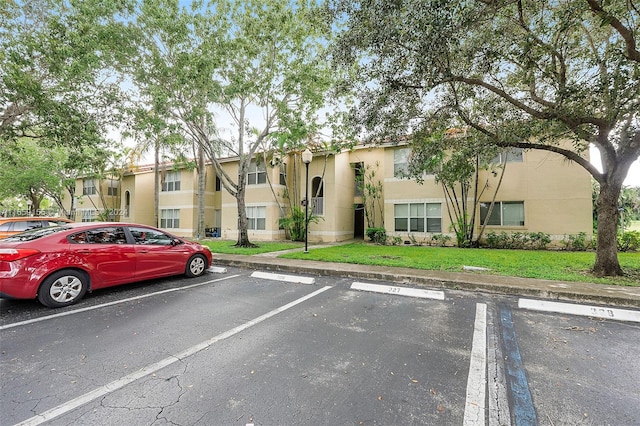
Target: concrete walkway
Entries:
(473, 281)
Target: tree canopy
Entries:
(57, 83)
(528, 74)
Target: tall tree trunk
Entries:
(201, 187)
(243, 224)
(156, 183)
(607, 250)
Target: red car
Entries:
(58, 265)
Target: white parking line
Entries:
(583, 310)
(401, 291)
(117, 302)
(474, 409)
(283, 277)
(152, 368)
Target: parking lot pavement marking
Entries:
(116, 302)
(401, 291)
(582, 310)
(152, 368)
(283, 277)
(217, 270)
(474, 410)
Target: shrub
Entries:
(517, 240)
(629, 241)
(440, 240)
(377, 235)
(539, 240)
(577, 242)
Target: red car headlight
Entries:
(9, 255)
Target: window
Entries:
(171, 181)
(504, 213)
(256, 216)
(418, 217)
(105, 235)
(511, 155)
(400, 161)
(283, 174)
(218, 184)
(88, 215)
(257, 174)
(112, 188)
(317, 196)
(149, 236)
(169, 218)
(127, 203)
(89, 187)
(359, 178)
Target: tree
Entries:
(456, 162)
(56, 79)
(27, 173)
(555, 76)
(238, 58)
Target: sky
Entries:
(633, 177)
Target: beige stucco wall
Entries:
(556, 196)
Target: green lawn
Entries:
(552, 265)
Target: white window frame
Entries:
(419, 217)
(256, 218)
(512, 155)
(169, 218)
(112, 187)
(171, 181)
(88, 215)
(400, 161)
(257, 173)
(499, 212)
(89, 187)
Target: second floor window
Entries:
(112, 189)
(511, 155)
(400, 161)
(257, 174)
(171, 182)
(89, 187)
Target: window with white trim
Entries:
(317, 196)
(504, 213)
(511, 155)
(418, 217)
(89, 187)
(112, 187)
(257, 173)
(400, 161)
(171, 181)
(169, 218)
(257, 217)
(88, 215)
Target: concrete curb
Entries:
(471, 281)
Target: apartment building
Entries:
(540, 192)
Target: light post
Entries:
(307, 156)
